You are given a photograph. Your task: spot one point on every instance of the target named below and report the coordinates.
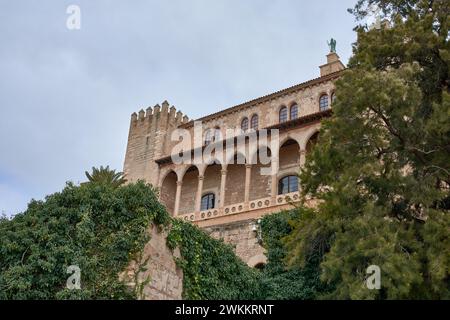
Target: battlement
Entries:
(159, 112)
(149, 139)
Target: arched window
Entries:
(333, 97)
(208, 202)
(212, 135)
(323, 102)
(294, 111)
(288, 184)
(254, 122)
(244, 124)
(208, 137)
(283, 114)
(217, 134)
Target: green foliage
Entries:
(97, 227)
(106, 176)
(277, 280)
(211, 270)
(381, 171)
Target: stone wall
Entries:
(243, 238)
(158, 268)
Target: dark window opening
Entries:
(294, 112)
(208, 202)
(254, 122)
(288, 184)
(323, 102)
(283, 115)
(244, 124)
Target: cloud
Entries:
(66, 96)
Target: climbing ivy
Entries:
(101, 228)
(211, 270)
(278, 281)
(97, 227)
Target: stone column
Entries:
(274, 180)
(302, 158)
(198, 199)
(223, 181)
(177, 198)
(248, 175)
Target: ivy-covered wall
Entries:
(212, 270)
(97, 227)
(102, 229)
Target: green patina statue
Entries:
(332, 45)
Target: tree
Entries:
(381, 171)
(106, 176)
(98, 228)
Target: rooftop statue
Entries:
(332, 45)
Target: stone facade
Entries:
(242, 193)
(156, 276)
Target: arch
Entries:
(256, 260)
(283, 114)
(287, 138)
(311, 133)
(311, 142)
(189, 190)
(289, 154)
(164, 174)
(260, 266)
(168, 190)
(332, 97)
(182, 172)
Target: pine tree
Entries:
(381, 170)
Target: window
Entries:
(208, 137)
(288, 184)
(283, 114)
(217, 134)
(244, 124)
(323, 102)
(212, 135)
(254, 122)
(208, 202)
(294, 111)
(333, 97)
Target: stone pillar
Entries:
(177, 198)
(248, 175)
(302, 158)
(198, 199)
(223, 182)
(274, 180)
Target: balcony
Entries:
(280, 202)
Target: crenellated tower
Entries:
(149, 139)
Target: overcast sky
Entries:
(66, 95)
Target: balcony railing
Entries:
(237, 208)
